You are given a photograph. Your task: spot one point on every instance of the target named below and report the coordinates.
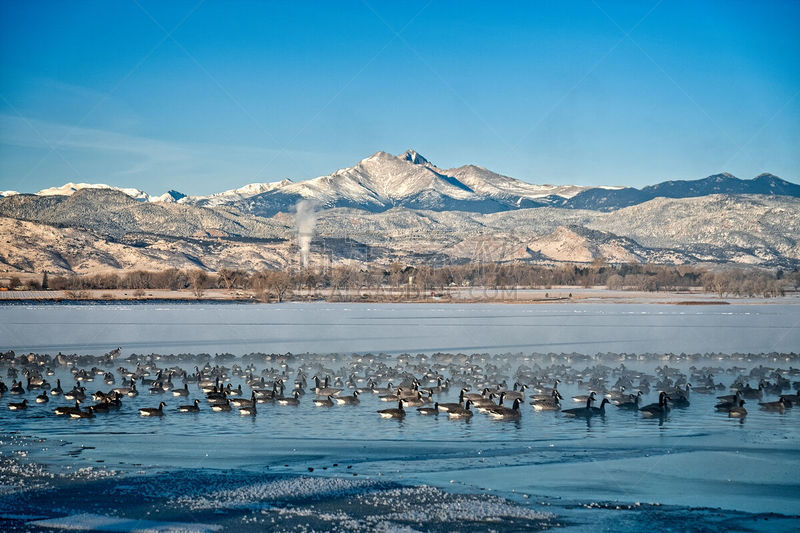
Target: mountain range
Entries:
(384, 181)
(404, 208)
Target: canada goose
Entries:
(680, 397)
(476, 396)
(778, 406)
(632, 404)
(193, 408)
(249, 410)
(752, 394)
(505, 413)
(585, 398)
(445, 407)
(88, 413)
(241, 402)
(294, 399)
(42, 398)
(16, 388)
(552, 403)
(348, 400)
(547, 390)
(18, 406)
(66, 410)
(415, 401)
(153, 411)
(77, 393)
(461, 412)
(429, 410)
(727, 404)
(322, 389)
(657, 409)
(737, 412)
(181, 392)
(514, 394)
(57, 389)
(102, 407)
(588, 410)
(222, 407)
(324, 402)
(399, 412)
(388, 389)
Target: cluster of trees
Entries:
(399, 279)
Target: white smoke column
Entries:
(305, 219)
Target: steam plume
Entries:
(305, 219)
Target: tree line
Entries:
(406, 280)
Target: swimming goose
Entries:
(42, 398)
(18, 406)
(461, 412)
(657, 409)
(585, 398)
(193, 408)
(504, 413)
(393, 413)
(153, 411)
(88, 413)
(220, 407)
(66, 410)
(429, 410)
(388, 389)
(514, 394)
(291, 400)
(77, 393)
(415, 401)
(553, 403)
(726, 404)
(588, 410)
(632, 403)
(737, 412)
(17, 388)
(322, 389)
(181, 392)
(476, 396)
(445, 407)
(248, 409)
(752, 394)
(57, 390)
(778, 406)
(348, 400)
(324, 402)
(241, 402)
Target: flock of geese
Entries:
(421, 381)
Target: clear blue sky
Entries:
(205, 96)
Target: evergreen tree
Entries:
(44, 282)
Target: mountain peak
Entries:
(413, 157)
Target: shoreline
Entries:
(477, 295)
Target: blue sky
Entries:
(203, 96)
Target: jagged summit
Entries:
(414, 157)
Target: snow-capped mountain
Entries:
(68, 189)
(234, 195)
(383, 181)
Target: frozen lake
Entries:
(576, 469)
(400, 328)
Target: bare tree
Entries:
(197, 281)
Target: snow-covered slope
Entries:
(234, 195)
(68, 189)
